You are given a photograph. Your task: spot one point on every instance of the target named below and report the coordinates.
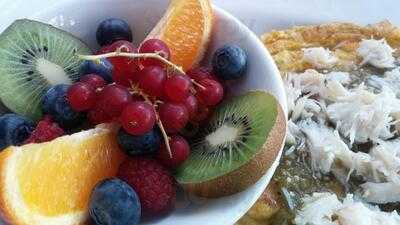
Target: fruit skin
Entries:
(146, 144)
(14, 130)
(81, 96)
(112, 99)
(152, 80)
(154, 46)
(55, 103)
(46, 130)
(180, 151)
(201, 73)
(138, 118)
(114, 202)
(126, 70)
(152, 182)
(192, 104)
(102, 68)
(248, 174)
(177, 88)
(211, 93)
(111, 30)
(93, 80)
(230, 62)
(50, 97)
(174, 116)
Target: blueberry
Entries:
(140, 145)
(14, 130)
(114, 202)
(102, 68)
(55, 104)
(230, 62)
(111, 30)
(51, 96)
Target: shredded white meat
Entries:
(331, 113)
(391, 80)
(362, 116)
(377, 53)
(380, 168)
(326, 209)
(319, 57)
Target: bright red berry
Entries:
(125, 69)
(177, 88)
(152, 182)
(46, 130)
(174, 116)
(97, 116)
(201, 73)
(191, 103)
(138, 118)
(93, 80)
(154, 46)
(152, 80)
(81, 96)
(105, 49)
(210, 93)
(180, 151)
(202, 114)
(112, 99)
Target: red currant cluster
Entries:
(147, 90)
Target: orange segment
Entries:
(55, 179)
(186, 28)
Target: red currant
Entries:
(98, 116)
(202, 114)
(174, 116)
(125, 69)
(93, 80)
(154, 46)
(81, 96)
(105, 49)
(210, 93)
(180, 150)
(112, 99)
(152, 80)
(191, 103)
(138, 118)
(125, 78)
(201, 73)
(177, 88)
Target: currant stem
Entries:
(197, 84)
(159, 123)
(132, 55)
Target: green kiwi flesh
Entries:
(243, 138)
(33, 57)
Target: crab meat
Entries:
(376, 53)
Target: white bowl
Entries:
(81, 18)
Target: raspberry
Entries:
(46, 130)
(152, 182)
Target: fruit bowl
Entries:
(81, 19)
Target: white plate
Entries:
(81, 18)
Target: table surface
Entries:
(264, 15)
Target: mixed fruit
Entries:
(157, 108)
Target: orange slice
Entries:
(186, 28)
(50, 183)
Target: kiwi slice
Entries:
(33, 57)
(237, 146)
